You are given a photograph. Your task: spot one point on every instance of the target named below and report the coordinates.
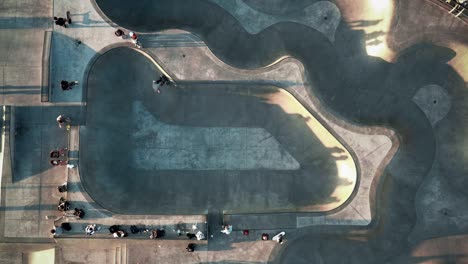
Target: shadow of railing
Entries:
(170, 40)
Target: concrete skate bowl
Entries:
(191, 148)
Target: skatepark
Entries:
(340, 123)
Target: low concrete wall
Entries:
(45, 84)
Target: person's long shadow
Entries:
(86, 21)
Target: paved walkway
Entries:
(417, 92)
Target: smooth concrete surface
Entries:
(373, 86)
(323, 16)
(321, 162)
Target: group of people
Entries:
(459, 7)
(227, 229)
(64, 207)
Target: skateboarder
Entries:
(67, 85)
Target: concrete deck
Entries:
(386, 78)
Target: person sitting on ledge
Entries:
(56, 231)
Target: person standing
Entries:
(134, 38)
(190, 247)
(60, 21)
(56, 231)
(63, 120)
(90, 229)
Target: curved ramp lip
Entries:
(115, 25)
(343, 167)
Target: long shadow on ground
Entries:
(351, 84)
(109, 153)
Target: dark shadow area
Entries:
(197, 105)
(352, 85)
(25, 22)
(65, 52)
(36, 134)
(11, 89)
(363, 23)
(280, 7)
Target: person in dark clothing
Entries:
(66, 226)
(63, 205)
(114, 228)
(190, 235)
(190, 247)
(119, 33)
(67, 85)
(60, 21)
(62, 188)
(79, 213)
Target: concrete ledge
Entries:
(9, 145)
(45, 85)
